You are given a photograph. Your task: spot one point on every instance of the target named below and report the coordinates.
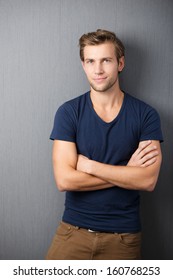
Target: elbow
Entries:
(61, 188)
(65, 184)
(150, 185)
(62, 181)
(62, 185)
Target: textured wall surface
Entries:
(39, 70)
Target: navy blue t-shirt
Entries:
(114, 209)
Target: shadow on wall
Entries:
(131, 79)
(156, 207)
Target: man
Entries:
(106, 149)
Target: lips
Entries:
(99, 79)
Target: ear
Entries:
(121, 64)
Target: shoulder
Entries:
(147, 117)
(66, 119)
(136, 101)
(140, 107)
(75, 103)
(71, 108)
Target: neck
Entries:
(108, 99)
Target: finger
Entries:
(149, 156)
(149, 151)
(150, 148)
(142, 146)
(149, 162)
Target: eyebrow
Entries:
(103, 58)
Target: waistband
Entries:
(91, 230)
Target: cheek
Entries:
(114, 71)
(87, 69)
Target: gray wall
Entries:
(40, 69)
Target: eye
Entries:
(89, 61)
(107, 60)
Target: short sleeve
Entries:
(151, 125)
(64, 127)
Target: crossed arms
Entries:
(75, 172)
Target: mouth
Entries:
(100, 79)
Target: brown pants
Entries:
(74, 243)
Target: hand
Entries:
(145, 155)
(83, 164)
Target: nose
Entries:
(98, 68)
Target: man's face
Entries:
(101, 66)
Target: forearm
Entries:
(141, 172)
(129, 177)
(74, 180)
(67, 177)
